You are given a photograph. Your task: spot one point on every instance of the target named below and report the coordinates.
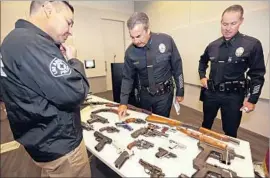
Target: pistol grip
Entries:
(160, 154)
(136, 134)
(131, 145)
(121, 159)
(100, 146)
(200, 173)
(90, 121)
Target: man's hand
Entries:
(247, 107)
(204, 82)
(179, 99)
(68, 51)
(122, 111)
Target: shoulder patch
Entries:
(2, 73)
(59, 68)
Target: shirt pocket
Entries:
(237, 64)
(163, 57)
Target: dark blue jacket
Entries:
(42, 92)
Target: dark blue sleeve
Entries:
(45, 71)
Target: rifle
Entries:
(109, 129)
(95, 103)
(148, 132)
(115, 111)
(102, 140)
(170, 122)
(164, 153)
(141, 144)
(130, 107)
(152, 170)
(202, 137)
(97, 118)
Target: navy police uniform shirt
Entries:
(166, 63)
(231, 59)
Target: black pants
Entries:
(160, 105)
(229, 103)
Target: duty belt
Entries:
(160, 88)
(228, 86)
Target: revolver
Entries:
(135, 120)
(109, 129)
(164, 153)
(141, 144)
(146, 131)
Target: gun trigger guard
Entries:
(147, 171)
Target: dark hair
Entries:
(138, 18)
(36, 4)
(234, 8)
(69, 5)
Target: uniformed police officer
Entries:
(230, 57)
(155, 58)
(43, 89)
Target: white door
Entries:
(114, 46)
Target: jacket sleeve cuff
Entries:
(180, 92)
(253, 99)
(202, 75)
(124, 100)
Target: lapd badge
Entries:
(162, 48)
(239, 51)
(59, 68)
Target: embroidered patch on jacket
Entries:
(59, 68)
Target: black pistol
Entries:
(102, 139)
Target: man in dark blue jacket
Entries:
(43, 85)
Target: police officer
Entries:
(155, 58)
(230, 57)
(43, 89)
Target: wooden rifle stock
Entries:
(170, 122)
(161, 120)
(203, 138)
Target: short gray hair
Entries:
(138, 18)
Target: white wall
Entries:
(193, 25)
(87, 32)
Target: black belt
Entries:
(228, 86)
(160, 88)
